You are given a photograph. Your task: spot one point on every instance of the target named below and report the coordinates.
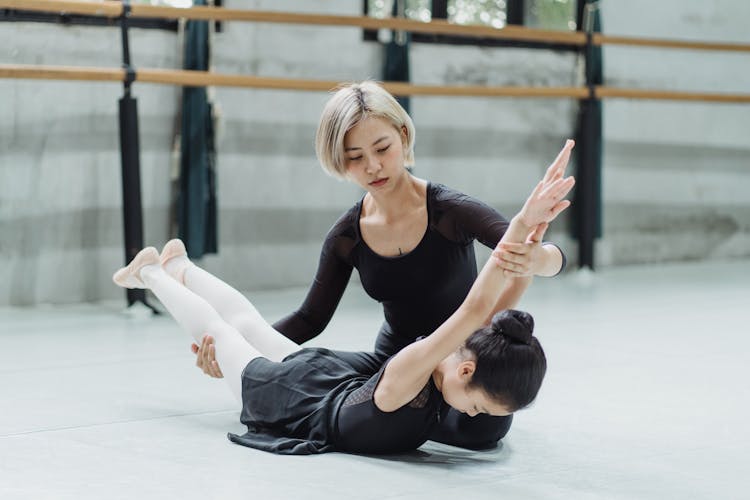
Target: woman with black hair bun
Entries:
(304, 401)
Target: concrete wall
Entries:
(675, 174)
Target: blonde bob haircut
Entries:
(349, 105)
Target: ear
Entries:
(465, 370)
(404, 135)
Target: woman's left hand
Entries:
(522, 259)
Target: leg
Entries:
(192, 313)
(231, 305)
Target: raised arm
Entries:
(526, 259)
(409, 370)
(531, 258)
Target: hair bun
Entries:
(517, 326)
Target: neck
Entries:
(438, 374)
(407, 194)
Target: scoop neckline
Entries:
(421, 240)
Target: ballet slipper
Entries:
(174, 259)
(129, 276)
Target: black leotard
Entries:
(315, 401)
(418, 290)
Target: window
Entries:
(20, 15)
(550, 14)
(542, 14)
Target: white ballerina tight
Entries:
(205, 305)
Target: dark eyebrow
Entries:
(374, 144)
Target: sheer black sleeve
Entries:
(331, 279)
(461, 218)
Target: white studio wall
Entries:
(675, 175)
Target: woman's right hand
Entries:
(546, 201)
(206, 357)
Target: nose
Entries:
(373, 165)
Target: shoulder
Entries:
(446, 198)
(343, 236)
(347, 225)
(463, 218)
(448, 202)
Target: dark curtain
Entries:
(587, 204)
(396, 67)
(196, 201)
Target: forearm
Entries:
(493, 290)
(510, 296)
(297, 328)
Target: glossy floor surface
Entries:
(646, 397)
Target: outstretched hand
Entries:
(546, 200)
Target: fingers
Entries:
(206, 357)
(213, 367)
(520, 248)
(538, 189)
(559, 208)
(557, 168)
(558, 189)
(200, 354)
(517, 263)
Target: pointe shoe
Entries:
(174, 259)
(129, 276)
(173, 248)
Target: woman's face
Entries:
(374, 154)
(466, 399)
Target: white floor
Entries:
(646, 397)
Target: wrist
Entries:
(521, 223)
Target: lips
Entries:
(379, 182)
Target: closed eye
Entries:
(383, 150)
(355, 158)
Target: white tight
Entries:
(240, 313)
(207, 305)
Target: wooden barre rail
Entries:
(115, 9)
(203, 78)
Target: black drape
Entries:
(396, 66)
(587, 202)
(196, 202)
